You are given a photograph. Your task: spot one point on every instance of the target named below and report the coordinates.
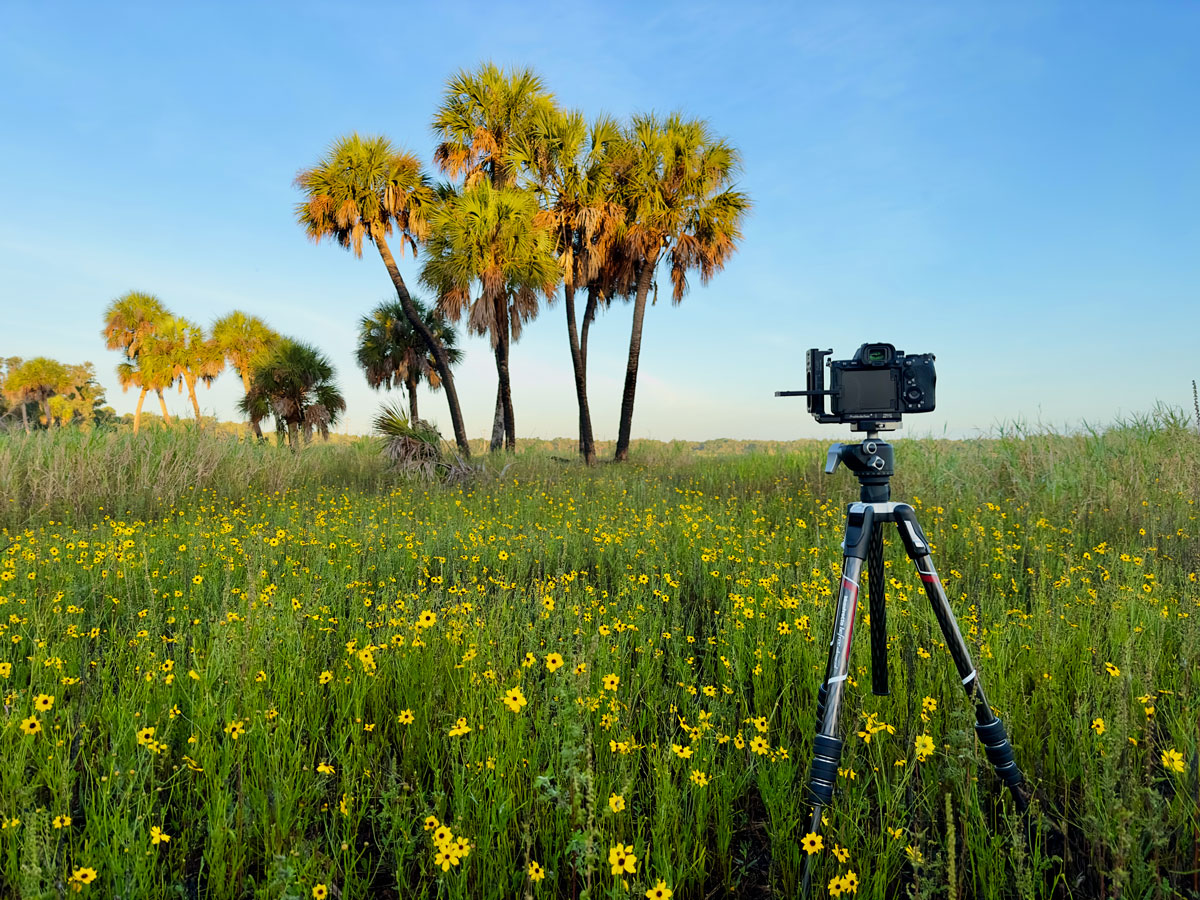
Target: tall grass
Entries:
(85, 474)
(1095, 478)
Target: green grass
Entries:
(222, 579)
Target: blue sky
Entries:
(1013, 187)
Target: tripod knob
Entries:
(876, 463)
(834, 457)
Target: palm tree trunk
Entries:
(411, 383)
(191, 386)
(589, 315)
(502, 348)
(25, 415)
(255, 428)
(635, 349)
(163, 403)
(294, 436)
(434, 345)
(587, 448)
(497, 441)
(137, 413)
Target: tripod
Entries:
(872, 461)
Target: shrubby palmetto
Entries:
(412, 445)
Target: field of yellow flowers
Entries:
(572, 683)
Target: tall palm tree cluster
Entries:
(535, 197)
(60, 394)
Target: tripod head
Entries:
(871, 460)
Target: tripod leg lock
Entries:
(999, 752)
(827, 753)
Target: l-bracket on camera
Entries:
(871, 391)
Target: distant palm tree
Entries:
(571, 166)
(243, 341)
(391, 352)
(149, 371)
(294, 382)
(676, 185)
(36, 381)
(129, 374)
(192, 356)
(364, 188)
(130, 321)
(487, 236)
(12, 397)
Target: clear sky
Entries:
(1014, 187)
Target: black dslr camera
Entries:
(871, 391)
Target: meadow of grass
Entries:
(231, 671)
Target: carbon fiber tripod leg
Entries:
(827, 746)
(989, 728)
(877, 594)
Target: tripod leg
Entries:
(827, 746)
(989, 728)
(877, 592)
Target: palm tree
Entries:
(571, 167)
(681, 209)
(364, 188)
(150, 370)
(243, 341)
(12, 396)
(191, 356)
(487, 236)
(130, 374)
(129, 319)
(391, 352)
(130, 322)
(36, 381)
(294, 382)
(483, 115)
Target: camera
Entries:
(870, 391)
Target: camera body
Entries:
(872, 390)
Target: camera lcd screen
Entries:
(868, 391)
